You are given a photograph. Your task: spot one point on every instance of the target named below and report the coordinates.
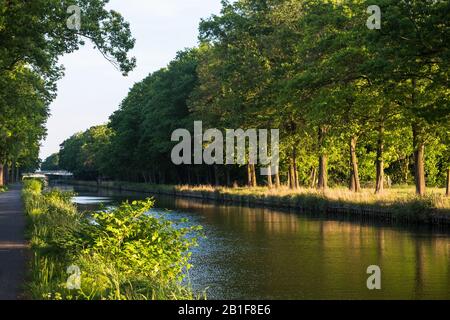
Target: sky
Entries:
(92, 88)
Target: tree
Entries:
(51, 163)
(84, 153)
(350, 103)
(411, 49)
(34, 35)
(142, 127)
(23, 111)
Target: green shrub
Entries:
(123, 253)
(33, 185)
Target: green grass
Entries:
(121, 254)
(3, 189)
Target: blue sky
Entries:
(92, 88)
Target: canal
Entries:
(257, 253)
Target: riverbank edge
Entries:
(414, 211)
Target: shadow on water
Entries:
(260, 253)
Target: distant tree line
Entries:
(33, 35)
(51, 163)
(353, 105)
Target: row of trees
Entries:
(33, 35)
(352, 104)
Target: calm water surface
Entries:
(255, 253)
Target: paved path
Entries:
(13, 247)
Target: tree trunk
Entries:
(351, 177)
(448, 183)
(294, 163)
(249, 175)
(289, 177)
(419, 150)
(291, 174)
(150, 177)
(379, 188)
(295, 175)
(2, 183)
(351, 183)
(13, 173)
(254, 181)
(269, 177)
(420, 169)
(277, 180)
(405, 170)
(6, 174)
(17, 174)
(313, 177)
(323, 174)
(354, 160)
(323, 162)
(419, 163)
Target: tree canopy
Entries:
(33, 35)
(51, 163)
(353, 104)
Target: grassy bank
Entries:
(118, 254)
(3, 189)
(398, 203)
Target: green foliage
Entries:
(303, 67)
(51, 163)
(143, 125)
(84, 154)
(33, 35)
(23, 112)
(33, 186)
(124, 253)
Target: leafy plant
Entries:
(123, 253)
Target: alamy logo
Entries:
(374, 281)
(209, 147)
(74, 280)
(74, 21)
(374, 21)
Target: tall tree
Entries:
(412, 50)
(34, 34)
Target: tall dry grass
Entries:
(396, 194)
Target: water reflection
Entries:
(255, 253)
(91, 200)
